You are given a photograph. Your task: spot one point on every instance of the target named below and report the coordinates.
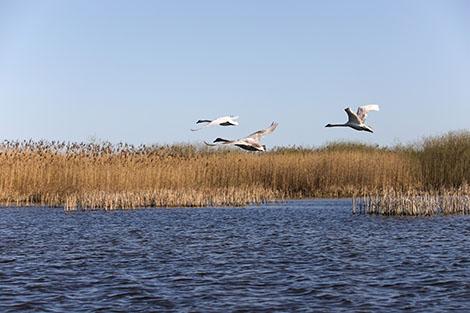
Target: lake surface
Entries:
(294, 257)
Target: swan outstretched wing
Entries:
(261, 133)
(363, 110)
(225, 119)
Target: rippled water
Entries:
(299, 256)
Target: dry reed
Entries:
(109, 176)
(413, 203)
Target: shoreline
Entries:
(390, 203)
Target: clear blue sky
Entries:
(145, 71)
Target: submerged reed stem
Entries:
(415, 203)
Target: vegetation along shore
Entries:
(88, 176)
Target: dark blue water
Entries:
(295, 257)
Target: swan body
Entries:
(357, 120)
(250, 143)
(221, 121)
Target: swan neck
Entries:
(337, 125)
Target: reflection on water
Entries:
(306, 255)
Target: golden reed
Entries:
(87, 176)
(445, 173)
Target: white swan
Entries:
(222, 121)
(251, 143)
(357, 120)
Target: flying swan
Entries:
(357, 120)
(222, 121)
(251, 143)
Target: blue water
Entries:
(294, 257)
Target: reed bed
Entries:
(414, 203)
(88, 176)
(169, 198)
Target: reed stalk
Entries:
(415, 203)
